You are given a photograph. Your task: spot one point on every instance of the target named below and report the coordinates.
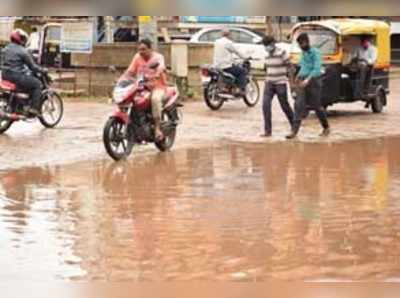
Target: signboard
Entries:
(77, 37)
(6, 27)
(224, 19)
(145, 19)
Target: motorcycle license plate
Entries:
(205, 80)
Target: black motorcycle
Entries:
(220, 86)
(15, 104)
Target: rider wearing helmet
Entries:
(18, 66)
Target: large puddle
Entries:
(238, 212)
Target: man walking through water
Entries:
(309, 87)
(276, 83)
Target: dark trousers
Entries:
(362, 81)
(28, 84)
(270, 91)
(240, 75)
(310, 97)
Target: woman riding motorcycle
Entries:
(141, 65)
(18, 66)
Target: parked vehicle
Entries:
(335, 39)
(220, 86)
(49, 54)
(14, 104)
(247, 41)
(132, 123)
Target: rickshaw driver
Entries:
(363, 57)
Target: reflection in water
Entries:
(239, 212)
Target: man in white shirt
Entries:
(276, 83)
(366, 52)
(224, 58)
(365, 56)
(33, 42)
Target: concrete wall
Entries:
(93, 69)
(118, 54)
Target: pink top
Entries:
(141, 66)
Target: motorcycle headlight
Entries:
(119, 95)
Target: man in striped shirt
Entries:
(277, 62)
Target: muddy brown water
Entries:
(292, 211)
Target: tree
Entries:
(270, 28)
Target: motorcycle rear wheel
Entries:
(5, 124)
(252, 93)
(211, 97)
(115, 140)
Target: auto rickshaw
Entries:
(336, 39)
(49, 48)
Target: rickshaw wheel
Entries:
(378, 102)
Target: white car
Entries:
(247, 41)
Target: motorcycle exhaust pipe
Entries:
(226, 96)
(13, 117)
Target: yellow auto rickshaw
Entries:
(337, 40)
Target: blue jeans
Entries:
(310, 96)
(280, 90)
(240, 74)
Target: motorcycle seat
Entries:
(7, 85)
(228, 75)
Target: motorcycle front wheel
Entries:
(213, 101)
(116, 140)
(5, 124)
(252, 93)
(52, 110)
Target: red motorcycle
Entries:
(15, 104)
(133, 124)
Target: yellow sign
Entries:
(145, 19)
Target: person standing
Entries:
(34, 41)
(309, 86)
(276, 83)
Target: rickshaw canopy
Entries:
(357, 27)
(350, 26)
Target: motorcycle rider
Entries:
(17, 67)
(142, 65)
(224, 58)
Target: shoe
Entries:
(159, 135)
(266, 135)
(326, 132)
(34, 112)
(292, 136)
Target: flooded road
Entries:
(225, 204)
(292, 211)
(79, 136)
